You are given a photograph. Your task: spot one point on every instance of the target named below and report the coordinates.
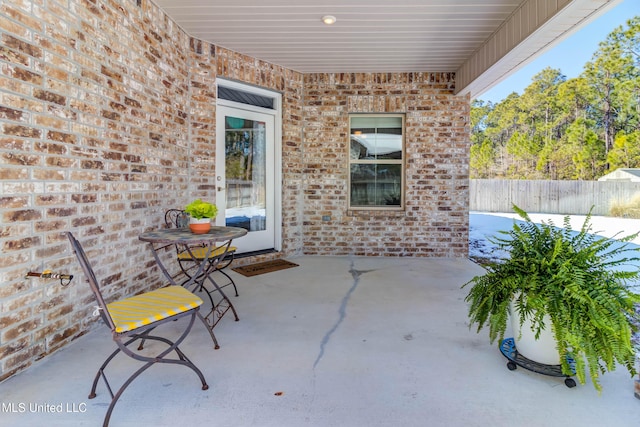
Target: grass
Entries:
(626, 209)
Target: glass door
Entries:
(245, 176)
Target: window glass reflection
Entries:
(375, 145)
(376, 184)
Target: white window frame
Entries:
(401, 162)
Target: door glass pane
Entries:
(245, 165)
(376, 184)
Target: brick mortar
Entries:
(435, 221)
(117, 125)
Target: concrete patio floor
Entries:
(337, 341)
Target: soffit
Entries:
(369, 35)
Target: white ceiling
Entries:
(369, 35)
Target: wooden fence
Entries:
(557, 197)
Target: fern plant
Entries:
(574, 277)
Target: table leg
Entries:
(206, 268)
(192, 281)
(219, 308)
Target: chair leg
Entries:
(213, 337)
(100, 372)
(183, 360)
(142, 339)
(231, 282)
(122, 347)
(224, 263)
(115, 398)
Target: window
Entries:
(376, 161)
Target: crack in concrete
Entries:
(342, 311)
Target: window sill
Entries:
(372, 213)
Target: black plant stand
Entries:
(508, 350)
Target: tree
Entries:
(566, 129)
(524, 152)
(574, 100)
(540, 105)
(610, 67)
(590, 159)
(482, 160)
(625, 152)
(556, 160)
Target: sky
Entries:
(570, 55)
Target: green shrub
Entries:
(576, 279)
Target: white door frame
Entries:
(276, 112)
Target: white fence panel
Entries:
(557, 197)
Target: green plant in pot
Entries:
(572, 282)
(200, 215)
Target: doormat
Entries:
(264, 267)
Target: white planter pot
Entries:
(542, 350)
(199, 220)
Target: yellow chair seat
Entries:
(201, 252)
(141, 310)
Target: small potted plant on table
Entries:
(566, 283)
(200, 215)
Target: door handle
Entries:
(220, 188)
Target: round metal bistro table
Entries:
(202, 280)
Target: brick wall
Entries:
(94, 139)
(107, 117)
(235, 66)
(435, 222)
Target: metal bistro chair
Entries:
(134, 319)
(177, 218)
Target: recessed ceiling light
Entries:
(329, 19)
